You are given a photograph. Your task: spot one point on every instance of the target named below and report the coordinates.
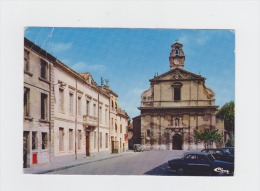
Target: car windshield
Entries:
(226, 151)
(211, 158)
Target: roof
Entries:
(194, 76)
(38, 50)
(176, 43)
(195, 153)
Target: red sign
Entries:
(126, 137)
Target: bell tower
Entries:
(177, 57)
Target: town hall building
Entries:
(176, 104)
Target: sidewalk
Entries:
(47, 168)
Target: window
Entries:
(26, 102)
(100, 140)
(94, 110)
(79, 139)
(120, 145)
(61, 100)
(71, 103)
(106, 140)
(191, 157)
(44, 70)
(61, 139)
(202, 158)
(44, 107)
(177, 93)
(95, 140)
(106, 116)
(34, 140)
(26, 60)
(44, 141)
(148, 132)
(71, 139)
(177, 52)
(116, 127)
(112, 105)
(87, 107)
(100, 114)
(120, 128)
(79, 105)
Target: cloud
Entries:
(183, 39)
(137, 91)
(202, 39)
(58, 47)
(97, 67)
(84, 67)
(80, 66)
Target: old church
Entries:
(177, 103)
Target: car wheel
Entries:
(180, 171)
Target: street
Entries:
(152, 162)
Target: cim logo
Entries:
(221, 170)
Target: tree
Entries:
(207, 136)
(227, 114)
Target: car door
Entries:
(203, 164)
(190, 163)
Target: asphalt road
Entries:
(152, 162)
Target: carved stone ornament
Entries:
(178, 75)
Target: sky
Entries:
(128, 58)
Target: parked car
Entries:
(200, 163)
(220, 154)
(138, 148)
(231, 150)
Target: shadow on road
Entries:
(161, 170)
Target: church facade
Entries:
(176, 104)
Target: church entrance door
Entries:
(177, 142)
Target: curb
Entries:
(74, 165)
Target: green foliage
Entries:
(227, 113)
(207, 136)
(230, 143)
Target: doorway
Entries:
(87, 143)
(176, 142)
(25, 148)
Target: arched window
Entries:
(177, 52)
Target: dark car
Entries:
(230, 150)
(220, 154)
(138, 148)
(200, 163)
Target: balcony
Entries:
(90, 122)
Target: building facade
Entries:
(176, 104)
(67, 116)
(37, 100)
(119, 121)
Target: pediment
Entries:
(178, 74)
